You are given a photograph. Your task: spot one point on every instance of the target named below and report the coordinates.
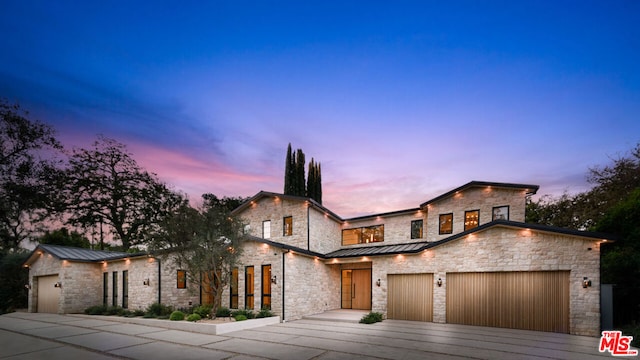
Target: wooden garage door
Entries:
(48, 294)
(518, 300)
(410, 297)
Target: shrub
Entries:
(138, 312)
(240, 317)
(96, 310)
(203, 310)
(223, 312)
(264, 313)
(176, 316)
(194, 317)
(370, 318)
(247, 313)
(159, 310)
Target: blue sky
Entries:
(399, 101)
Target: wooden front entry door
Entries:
(356, 289)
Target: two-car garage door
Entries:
(537, 300)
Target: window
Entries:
(181, 278)
(471, 219)
(363, 235)
(248, 287)
(125, 289)
(287, 226)
(114, 289)
(445, 224)
(105, 288)
(233, 301)
(266, 229)
(500, 213)
(416, 229)
(266, 287)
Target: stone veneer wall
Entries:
(311, 286)
(276, 209)
(79, 290)
(325, 232)
(505, 249)
(483, 199)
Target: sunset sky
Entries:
(400, 101)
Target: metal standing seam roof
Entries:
(80, 254)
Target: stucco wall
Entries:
(505, 249)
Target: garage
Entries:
(537, 300)
(48, 294)
(410, 297)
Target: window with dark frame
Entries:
(500, 213)
(233, 285)
(471, 219)
(416, 229)
(266, 287)
(181, 279)
(125, 289)
(114, 289)
(248, 287)
(287, 226)
(105, 288)
(445, 224)
(266, 229)
(363, 235)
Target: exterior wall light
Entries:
(439, 282)
(378, 283)
(27, 286)
(274, 280)
(145, 282)
(58, 284)
(586, 282)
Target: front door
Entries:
(356, 289)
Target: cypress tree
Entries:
(314, 181)
(299, 174)
(288, 172)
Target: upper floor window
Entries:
(266, 229)
(500, 213)
(471, 219)
(416, 229)
(287, 226)
(363, 235)
(445, 224)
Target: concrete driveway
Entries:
(51, 337)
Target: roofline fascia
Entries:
(533, 189)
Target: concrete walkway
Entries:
(52, 337)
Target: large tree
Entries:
(63, 237)
(294, 176)
(105, 185)
(27, 161)
(205, 242)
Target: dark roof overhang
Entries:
(530, 189)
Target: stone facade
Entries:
(306, 263)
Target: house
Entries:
(464, 257)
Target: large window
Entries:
(445, 224)
(114, 289)
(266, 287)
(233, 301)
(287, 226)
(266, 229)
(416, 229)
(248, 287)
(363, 235)
(105, 288)
(471, 219)
(125, 289)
